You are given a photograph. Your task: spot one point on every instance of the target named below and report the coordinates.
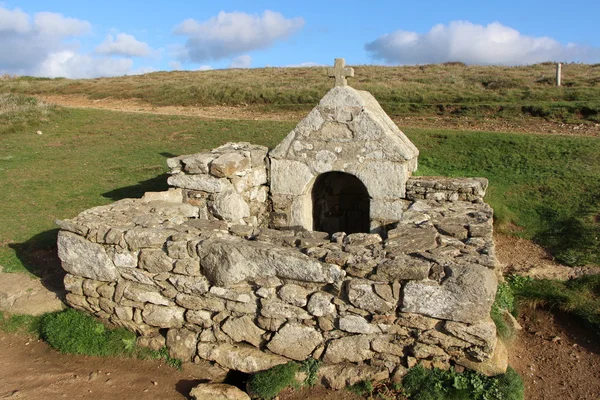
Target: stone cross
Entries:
(340, 72)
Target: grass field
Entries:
(442, 89)
(542, 187)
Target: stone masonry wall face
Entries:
(228, 183)
(250, 298)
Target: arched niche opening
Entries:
(341, 203)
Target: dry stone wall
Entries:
(250, 298)
(226, 183)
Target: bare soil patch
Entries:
(556, 356)
(524, 125)
(31, 370)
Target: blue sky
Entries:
(105, 38)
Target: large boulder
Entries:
(227, 262)
(81, 257)
(466, 295)
(217, 391)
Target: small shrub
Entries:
(504, 302)
(74, 332)
(267, 384)
(362, 388)
(311, 368)
(162, 354)
(437, 384)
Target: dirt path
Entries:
(557, 357)
(525, 125)
(30, 370)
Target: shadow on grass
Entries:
(156, 184)
(39, 256)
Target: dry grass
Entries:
(450, 88)
(19, 112)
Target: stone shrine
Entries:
(324, 247)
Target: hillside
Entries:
(451, 89)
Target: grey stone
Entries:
(466, 295)
(73, 284)
(231, 207)
(411, 239)
(182, 344)
(194, 285)
(295, 341)
(495, 366)
(293, 294)
(83, 258)
(199, 317)
(217, 391)
(272, 308)
(402, 267)
(481, 334)
(243, 329)
(362, 239)
(240, 358)
(228, 164)
(163, 317)
(355, 348)
(357, 324)
(187, 266)
(243, 296)
(207, 303)
(204, 183)
(340, 376)
(417, 321)
(139, 238)
(270, 324)
(197, 163)
(155, 261)
(145, 294)
(226, 262)
(170, 196)
(155, 343)
(320, 304)
(361, 295)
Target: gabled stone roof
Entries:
(352, 125)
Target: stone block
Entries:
(182, 344)
(295, 341)
(465, 296)
(163, 317)
(81, 257)
(243, 329)
(355, 348)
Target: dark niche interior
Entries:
(340, 204)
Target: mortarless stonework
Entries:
(199, 268)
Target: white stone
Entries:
(289, 177)
(204, 183)
(295, 341)
(231, 207)
(81, 257)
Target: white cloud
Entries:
(475, 44)
(230, 34)
(124, 45)
(304, 64)
(175, 65)
(204, 68)
(72, 65)
(14, 21)
(54, 24)
(241, 62)
(45, 45)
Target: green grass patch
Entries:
(267, 384)
(436, 384)
(74, 332)
(18, 323)
(579, 297)
(504, 303)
